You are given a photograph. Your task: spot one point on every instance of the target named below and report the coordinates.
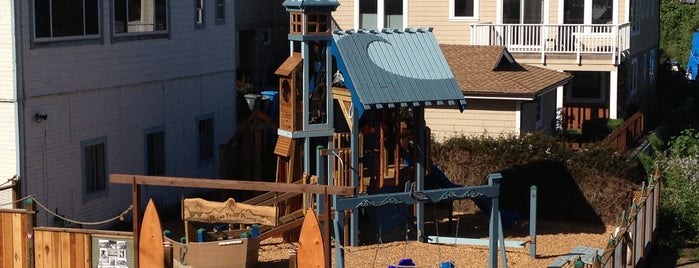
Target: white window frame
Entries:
(141, 33)
(453, 17)
(51, 38)
(380, 14)
(199, 14)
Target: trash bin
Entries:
(273, 106)
(251, 99)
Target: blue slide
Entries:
(508, 217)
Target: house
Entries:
(504, 97)
(91, 88)
(609, 46)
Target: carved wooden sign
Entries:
(200, 210)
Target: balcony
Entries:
(546, 40)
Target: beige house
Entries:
(504, 97)
(609, 46)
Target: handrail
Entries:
(574, 39)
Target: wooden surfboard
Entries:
(310, 252)
(150, 244)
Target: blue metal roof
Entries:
(392, 68)
(304, 4)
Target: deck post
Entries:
(136, 201)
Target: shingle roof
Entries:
(395, 68)
(490, 71)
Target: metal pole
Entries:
(320, 170)
(494, 180)
(532, 222)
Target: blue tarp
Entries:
(693, 63)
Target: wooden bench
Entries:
(586, 255)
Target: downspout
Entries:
(18, 95)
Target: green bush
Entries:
(613, 124)
(679, 217)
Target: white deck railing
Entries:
(575, 39)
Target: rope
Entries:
(10, 179)
(42, 206)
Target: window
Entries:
(296, 22)
(155, 153)
(651, 66)
(633, 86)
(393, 17)
(634, 18)
(199, 14)
(220, 11)
(367, 14)
(463, 9)
(95, 166)
(588, 87)
(66, 19)
(539, 110)
(377, 14)
(206, 139)
(140, 16)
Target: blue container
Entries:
(201, 235)
(273, 106)
(255, 232)
(447, 264)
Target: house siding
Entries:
(116, 90)
(480, 117)
(8, 118)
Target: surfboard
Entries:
(150, 244)
(310, 251)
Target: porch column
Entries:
(559, 98)
(613, 87)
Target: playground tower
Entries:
(305, 103)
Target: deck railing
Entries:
(546, 39)
(630, 130)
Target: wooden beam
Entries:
(229, 184)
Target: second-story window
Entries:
(463, 9)
(220, 11)
(140, 16)
(199, 14)
(66, 19)
(377, 14)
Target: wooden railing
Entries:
(630, 130)
(575, 39)
(575, 116)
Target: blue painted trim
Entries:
(436, 195)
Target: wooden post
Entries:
(136, 201)
(31, 220)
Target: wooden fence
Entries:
(23, 245)
(630, 246)
(630, 130)
(575, 116)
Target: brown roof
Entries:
(490, 71)
(289, 65)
